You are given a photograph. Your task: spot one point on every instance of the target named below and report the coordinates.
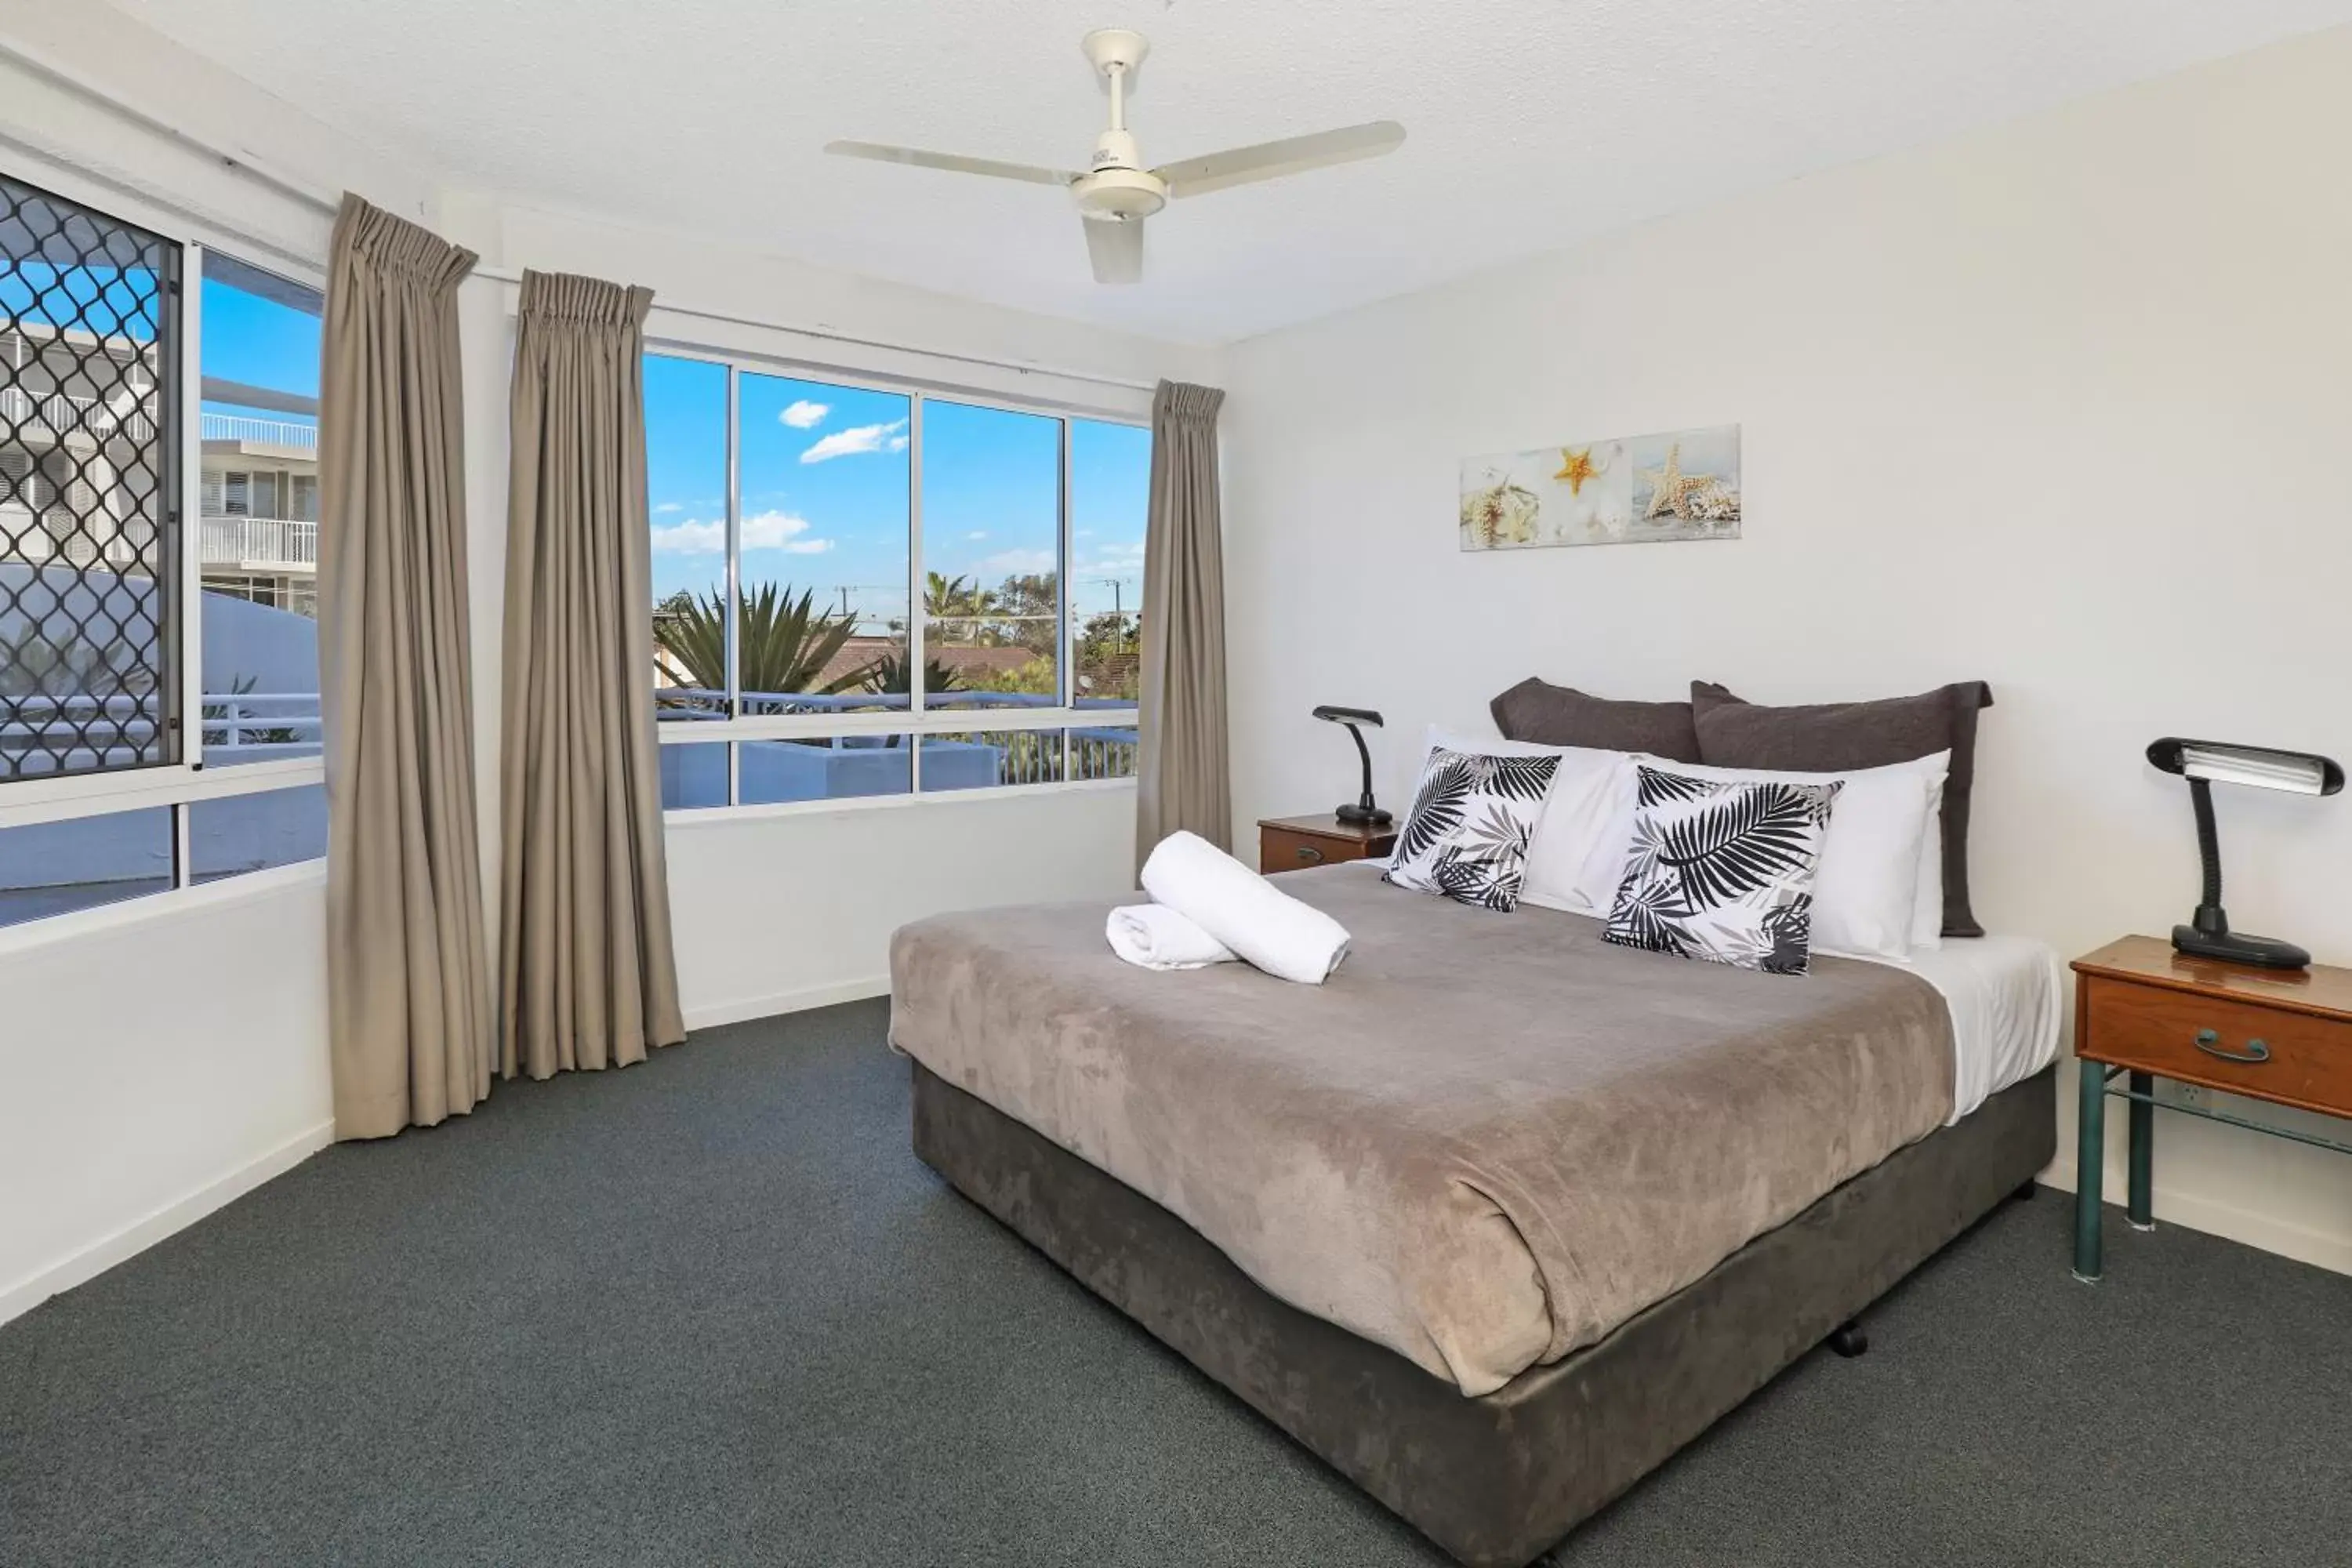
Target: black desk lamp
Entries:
(2202, 762)
(1363, 810)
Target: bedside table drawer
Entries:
(1279, 849)
(2235, 1046)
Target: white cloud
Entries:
(977, 533)
(690, 538)
(804, 415)
(761, 531)
(781, 531)
(1011, 563)
(671, 506)
(857, 438)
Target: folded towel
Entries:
(1244, 911)
(1157, 937)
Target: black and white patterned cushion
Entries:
(1723, 870)
(1473, 816)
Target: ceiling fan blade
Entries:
(1271, 159)
(1116, 248)
(950, 161)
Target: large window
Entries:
(842, 575)
(158, 525)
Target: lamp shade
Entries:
(2261, 767)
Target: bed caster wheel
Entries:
(1848, 1340)
(2023, 1194)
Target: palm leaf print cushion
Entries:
(1472, 820)
(1723, 870)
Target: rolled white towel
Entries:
(1244, 911)
(1157, 937)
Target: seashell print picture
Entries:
(1640, 489)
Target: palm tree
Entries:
(787, 643)
(888, 674)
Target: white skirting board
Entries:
(2288, 1240)
(104, 1254)
(711, 1014)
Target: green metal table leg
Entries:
(2090, 1168)
(2143, 1154)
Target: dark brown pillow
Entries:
(1834, 737)
(1548, 715)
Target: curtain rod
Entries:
(828, 334)
(239, 161)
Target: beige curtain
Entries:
(409, 973)
(589, 980)
(1182, 779)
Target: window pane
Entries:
(686, 481)
(841, 768)
(260, 569)
(694, 775)
(983, 760)
(991, 555)
(87, 672)
(1103, 754)
(825, 524)
(253, 832)
(1111, 501)
(51, 867)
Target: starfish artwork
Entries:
(1575, 466)
(1660, 489)
(1670, 488)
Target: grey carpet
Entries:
(709, 1310)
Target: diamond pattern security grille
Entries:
(89, 508)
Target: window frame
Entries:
(179, 784)
(918, 719)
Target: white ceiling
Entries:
(1532, 123)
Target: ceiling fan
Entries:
(1118, 193)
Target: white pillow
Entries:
(1883, 832)
(1580, 813)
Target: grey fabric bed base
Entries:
(1497, 1479)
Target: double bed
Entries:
(1500, 1217)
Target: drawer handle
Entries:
(2210, 1042)
(1308, 852)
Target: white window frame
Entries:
(26, 803)
(918, 719)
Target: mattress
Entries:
(1487, 1142)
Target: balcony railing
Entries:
(262, 432)
(59, 415)
(259, 543)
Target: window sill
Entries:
(725, 815)
(225, 893)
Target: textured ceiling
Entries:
(1532, 123)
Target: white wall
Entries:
(180, 1092)
(154, 1069)
(2062, 406)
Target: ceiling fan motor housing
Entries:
(1118, 187)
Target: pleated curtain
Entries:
(1183, 776)
(589, 978)
(408, 976)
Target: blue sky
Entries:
(827, 483)
(261, 343)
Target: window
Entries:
(89, 621)
(112, 694)
(866, 591)
(258, 557)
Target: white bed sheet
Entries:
(2005, 992)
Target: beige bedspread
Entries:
(1485, 1142)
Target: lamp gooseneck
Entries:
(2208, 918)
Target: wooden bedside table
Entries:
(1291, 843)
(2144, 1012)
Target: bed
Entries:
(1502, 1216)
